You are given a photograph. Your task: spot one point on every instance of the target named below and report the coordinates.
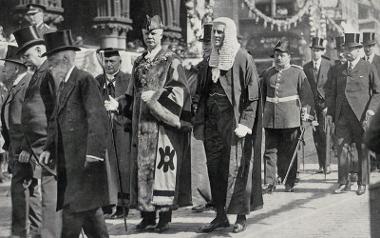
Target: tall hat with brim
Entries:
(59, 41)
(109, 52)
(207, 29)
(317, 43)
(352, 40)
(369, 38)
(339, 42)
(153, 23)
(282, 46)
(12, 55)
(33, 8)
(27, 37)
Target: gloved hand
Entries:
(147, 95)
(111, 105)
(241, 131)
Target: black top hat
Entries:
(339, 42)
(27, 37)
(317, 43)
(352, 40)
(32, 8)
(12, 55)
(153, 23)
(109, 52)
(369, 38)
(59, 41)
(207, 29)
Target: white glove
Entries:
(111, 105)
(44, 157)
(241, 131)
(147, 95)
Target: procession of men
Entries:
(84, 149)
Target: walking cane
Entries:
(99, 57)
(300, 138)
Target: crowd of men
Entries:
(84, 149)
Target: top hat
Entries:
(207, 29)
(109, 52)
(352, 40)
(12, 55)
(27, 37)
(339, 42)
(317, 43)
(59, 41)
(153, 23)
(369, 38)
(33, 8)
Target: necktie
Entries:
(111, 87)
(60, 89)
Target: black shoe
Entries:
(148, 222)
(119, 213)
(320, 170)
(289, 188)
(161, 227)
(240, 224)
(361, 190)
(216, 223)
(269, 189)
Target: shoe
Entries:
(320, 170)
(269, 189)
(328, 170)
(161, 227)
(289, 188)
(199, 208)
(148, 222)
(240, 224)
(343, 188)
(119, 213)
(354, 177)
(216, 223)
(361, 190)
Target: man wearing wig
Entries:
(158, 99)
(229, 113)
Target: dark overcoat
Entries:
(360, 88)
(79, 127)
(372, 135)
(242, 89)
(121, 129)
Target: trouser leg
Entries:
(270, 156)
(51, 219)
(319, 137)
(26, 201)
(72, 223)
(94, 224)
(288, 145)
(343, 135)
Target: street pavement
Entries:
(311, 211)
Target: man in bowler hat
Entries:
(369, 44)
(354, 96)
(25, 191)
(317, 72)
(36, 109)
(78, 131)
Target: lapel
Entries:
(322, 74)
(225, 82)
(309, 67)
(67, 89)
(118, 84)
(16, 88)
(357, 67)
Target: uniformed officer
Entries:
(35, 15)
(369, 43)
(317, 73)
(353, 97)
(285, 89)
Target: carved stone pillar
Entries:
(52, 16)
(113, 22)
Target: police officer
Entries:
(284, 89)
(354, 96)
(317, 73)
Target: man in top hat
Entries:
(77, 136)
(200, 185)
(34, 118)
(158, 101)
(25, 191)
(317, 71)
(229, 119)
(285, 93)
(369, 43)
(35, 15)
(354, 96)
(113, 82)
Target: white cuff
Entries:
(94, 157)
(249, 131)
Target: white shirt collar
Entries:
(18, 78)
(153, 53)
(110, 77)
(69, 73)
(354, 63)
(370, 57)
(318, 63)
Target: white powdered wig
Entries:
(225, 57)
